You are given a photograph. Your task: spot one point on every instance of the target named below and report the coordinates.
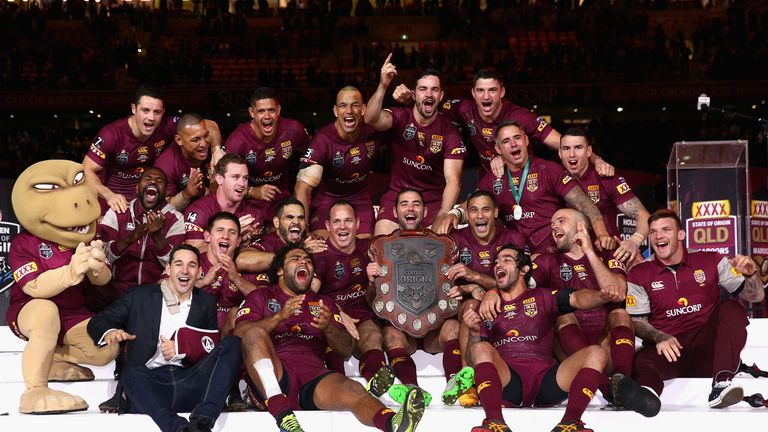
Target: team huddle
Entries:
(265, 240)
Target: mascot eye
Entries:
(46, 186)
(78, 178)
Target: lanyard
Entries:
(517, 192)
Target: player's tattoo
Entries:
(631, 208)
(577, 199)
(645, 331)
(339, 340)
(473, 338)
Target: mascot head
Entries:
(53, 201)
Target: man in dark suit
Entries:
(158, 380)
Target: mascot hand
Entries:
(97, 260)
(79, 263)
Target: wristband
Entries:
(640, 240)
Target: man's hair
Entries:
(186, 247)
(279, 259)
(665, 213)
(342, 202)
(426, 72)
(188, 119)
(223, 215)
(263, 93)
(165, 176)
(575, 131)
(506, 123)
(229, 158)
(521, 259)
(349, 88)
(487, 73)
(291, 200)
(482, 193)
(406, 190)
(145, 90)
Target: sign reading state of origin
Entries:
(712, 228)
(412, 291)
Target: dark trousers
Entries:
(201, 388)
(712, 350)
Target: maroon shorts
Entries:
(387, 203)
(67, 319)
(526, 390)
(301, 373)
(322, 203)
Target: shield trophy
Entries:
(412, 292)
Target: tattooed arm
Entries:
(666, 345)
(578, 200)
(629, 248)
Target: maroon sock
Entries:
(334, 362)
(622, 349)
(402, 363)
(381, 419)
(278, 405)
(571, 339)
(370, 362)
(582, 389)
(451, 358)
(489, 389)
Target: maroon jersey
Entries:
(676, 301)
(558, 271)
(343, 277)
(176, 168)
(295, 335)
(481, 258)
(197, 214)
(607, 193)
(270, 243)
(483, 135)
(31, 256)
(268, 163)
(227, 294)
(418, 153)
(544, 192)
(124, 157)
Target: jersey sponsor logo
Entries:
(338, 270)
(497, 185)
(759, 209)
(631, 301)
(513, 332)
(270, 154)
(587, 392)
(459, 150)
(287, 149)
(24, 270)
(447, 105)
(122, 157)
(45, 250)
(96, 148)
(614, 263)
(159, 144)
(190, 227)
(143, 150)
(699, 276)
(509, 307)
(487, 132)
(356, 267)
(566, 273)
(684, 308)
(354, 151)
(356, 293)
(267, 177)
(542, 124)
(262, 277)
(483, 385)
(410, 132)
(711, 209)
(513, 336)
(593, 187)
(623, 188)
(243, 311)
(418, 164)
(657, 285)
(532, 182)
(370, 148)
(737, 273)
(566, 179)
(624, 341)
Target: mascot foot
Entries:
(43, 400)
(62, 371)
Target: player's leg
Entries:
(569, 334)
(469, 398)
(336, 392)
(492, 375)
(579, 375)
(373, 365)
(385, 227)
(730, 336)
(458, 380)
(399, 350)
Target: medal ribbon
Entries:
(517, 192)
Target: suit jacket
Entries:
(138, 312)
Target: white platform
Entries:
(684, 403)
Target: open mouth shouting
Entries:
(151, 195)
(486, 107)
(294, 233)
(482, 226)
(223, 247)
(558, 235)
(428, 105)
(302, 275)
(268, 126)
(343, 235)
(184, 281)
(662, 247)
(501, 275)
(239, 190)
(350, 122)
(148, 127)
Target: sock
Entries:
(370, 362)
(571, 339)
(382, 418)
(334, 362)
(451, 358)
(278, 406)
(489, 389)
(266, 371)
(582, 389)
(622, 340)
(402, 363)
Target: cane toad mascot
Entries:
(50, 261)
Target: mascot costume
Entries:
(51, 261)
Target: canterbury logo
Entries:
(682, 301)
(587, 392)
(483, 385)
(624, 341)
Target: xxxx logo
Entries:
(760, 209)
(711, 209)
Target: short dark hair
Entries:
(158, 169)
(406, 190)
(487, 73)
(665, 213)
(146, 90)
(279, 259)
(427, 72)
(188, 119)
(229, 158)
(186, 247)
(575, 131)
(263, 93)
(291, 200)
(341, 202)
(506, 123)
(522, 259)
(482, 193)
(223, 215)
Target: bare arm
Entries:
(308, 179)
(215, 134)
(577, 199)
(251, 260)
(630, 247)
(117, 202)
(585, 299)
(645, 331)
(374, 114)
